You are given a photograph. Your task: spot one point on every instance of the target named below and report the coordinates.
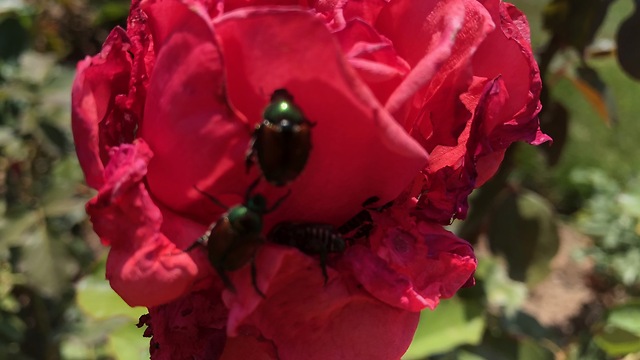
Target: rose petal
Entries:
(367, 10)
(517, 119)
(440, 49)
(99, 81)
(249, 347)
(358, 149)
(195, 136)
(192, 327)
(305, 319)
(452, 172)
(411, 264)
(373, 57)
(143, 266)
(516, 65)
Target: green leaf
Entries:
(554, 121)
(497, 345)
(621, 332)
(523, 229)
(112, 11)
(128, 343)
(575, 22)
(13, 38)
(501, 291)
(98, 301)
(8, 6)
(597, 93)
(617, 342)
(626, 317)
(12, 328)
(61, 197)
(531, 350)
(44, 261)
(35, 67)
(89, 338)
(453, 323)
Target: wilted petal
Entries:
(144, 267)
(412, 264)
(99, 81)
(439, 47)
(515, 64)
(452, 172)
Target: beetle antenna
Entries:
(212, 198)
(370, 201)
(254, 277)
(251, 187)
(202, 241)
(277, 203)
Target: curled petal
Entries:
(100, 80)
(144, 267)
(515, 64)
(412, 264)
(453, 171)
(373, 57)
(447, 37)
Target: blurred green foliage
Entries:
(543, 293)
(612, 217)
(55, 303)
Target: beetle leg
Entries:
(213, 199)
(323, 264)
(196, 243)
(251, 152)
(249, 158)
(251, 187)
(225, 279)
(248, 161)
(254, 277)
(370, 201)
(202, 240)
(277, 203)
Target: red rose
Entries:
(171, 103)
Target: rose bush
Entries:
(414, 101)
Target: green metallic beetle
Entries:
(281, 143)
(310, 238)
(233, 240)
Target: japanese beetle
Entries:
(281, 143)
(232, 241)
(361, 224)
(310, 238)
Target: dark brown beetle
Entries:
(281, 143)
(310, 238)
(361, 224)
